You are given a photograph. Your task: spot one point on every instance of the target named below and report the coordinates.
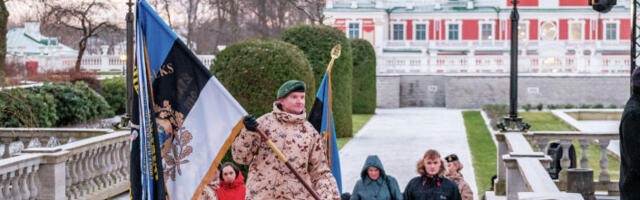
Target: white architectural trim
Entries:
(446, 27)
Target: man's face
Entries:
(293, 103)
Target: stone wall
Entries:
(474, 91)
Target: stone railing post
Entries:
(565, 163)
(514, 178)
(604, 161)
(52, 172)
(584, 161)
(500, 187)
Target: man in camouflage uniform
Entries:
(296, 138)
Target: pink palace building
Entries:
(472, 36)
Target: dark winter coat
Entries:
(384, 187)
(629, 151)
(431, 188)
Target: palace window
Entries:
(487, 32)
(611, 31)
(549, 31)
(421, 31)
(398, 32)
(354, 30)
(576, 31)
(522, 31)
(453, 32)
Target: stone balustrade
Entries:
(522, 172)
(584, 139)
(93, 167)
(39, 137)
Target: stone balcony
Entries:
(89, 164)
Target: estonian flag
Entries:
(321, 117)
(187, 119)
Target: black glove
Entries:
(250, 123)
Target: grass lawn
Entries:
(358, 121)
(483, 150)
(546, 121)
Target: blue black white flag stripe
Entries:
(321, 117)
(187, 119)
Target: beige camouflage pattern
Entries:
(295, 137)
(209, 190)
(465, 190)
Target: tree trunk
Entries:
(81, 47)
(4, 17)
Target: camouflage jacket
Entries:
(465, 190)
(295, 137)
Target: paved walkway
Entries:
(400, 137)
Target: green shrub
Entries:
(569, 106)
(253, 70)
(76, 103)
(527, 107)
(364, 77)
(23, 108)
(114, 91)
(495, 112)
(316, 41)
(552, 107)
(612, 106)
(585, 106)
(539, 107)
(598, 106)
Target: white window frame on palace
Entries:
(526, 32)
(349, 28)
(570, 24)
(605, 29)
(426, 31)
(492, 36)
(404, 31)
(459, 30)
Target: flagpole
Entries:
(284, 159)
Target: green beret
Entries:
(289, 87)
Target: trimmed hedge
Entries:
(364, 77)
(23, 108)
(114, 91)
(76, 103)
(316, 41)
(253, 70)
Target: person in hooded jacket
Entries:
(431, 184)
(453, 172)
(629, 140)
(231, 184)
(375, 183)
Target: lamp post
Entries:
(512, 122)
(129, 67)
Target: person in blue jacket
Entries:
(375, 183)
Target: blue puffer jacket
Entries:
(384, 187)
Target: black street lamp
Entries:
(512, 122)
(129, 68)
